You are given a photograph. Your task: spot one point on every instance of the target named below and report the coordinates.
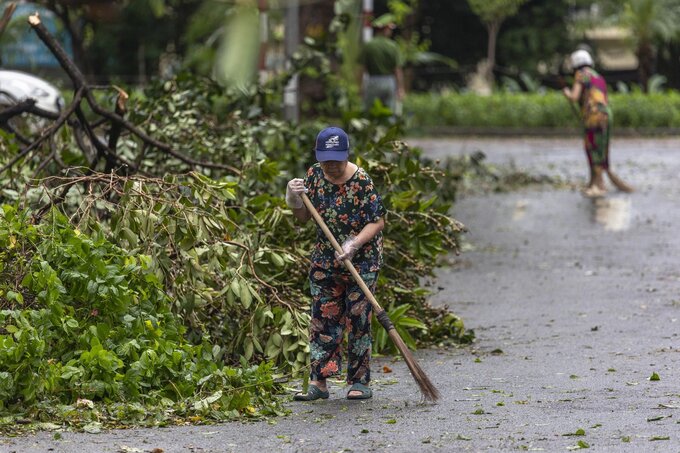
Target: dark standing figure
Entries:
(345, 197)
(382, 74)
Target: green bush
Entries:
(83, 320)
(535, 110)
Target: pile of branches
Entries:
(189, 181)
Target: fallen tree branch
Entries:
(25, 106)
(80, 82)
(116, 128)
(7, 16)
(48, 132)
(71, 69)
(156, 143)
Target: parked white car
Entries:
(15, 86)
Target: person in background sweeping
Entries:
(345, 197)
(590, 91)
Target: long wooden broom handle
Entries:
(348, 264)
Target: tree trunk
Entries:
(492, 28)
(645, 54)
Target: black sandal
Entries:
(313, 393)
(366, 392)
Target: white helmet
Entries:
(581, 58)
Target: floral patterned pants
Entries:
(339, 304)
(596, 139)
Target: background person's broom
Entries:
(428, 389)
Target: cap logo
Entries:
(333, 141)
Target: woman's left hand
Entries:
(349, 249)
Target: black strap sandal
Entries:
(366, 392)
(313, 393)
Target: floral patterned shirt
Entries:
(594, 102)
(346, 208)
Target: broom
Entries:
(428, 389)
(613, 177)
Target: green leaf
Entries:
(130, 236)
(654, 377)
(399, 311)
(286, 330)
(411, 323)
(400, 290)
(93, 428)
(205, 403)
(14, 296)
(246, 297)
(277, 260)
(248, 349)
(272, 351)
(258, 346)
(235, 287)
(426, 204)
(276, 339)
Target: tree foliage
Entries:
(493, 13)
(652, 28)
(535, 40)
(84, 320)
(651, 23)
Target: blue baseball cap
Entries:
(332, 143)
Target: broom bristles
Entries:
(618, 182)
(427, 388)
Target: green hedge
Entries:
(535, 110)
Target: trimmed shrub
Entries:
(535, 110)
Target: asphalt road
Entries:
(575, 304)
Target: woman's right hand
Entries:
(294, 188)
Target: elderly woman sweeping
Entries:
(590, 91)
(345, 197)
